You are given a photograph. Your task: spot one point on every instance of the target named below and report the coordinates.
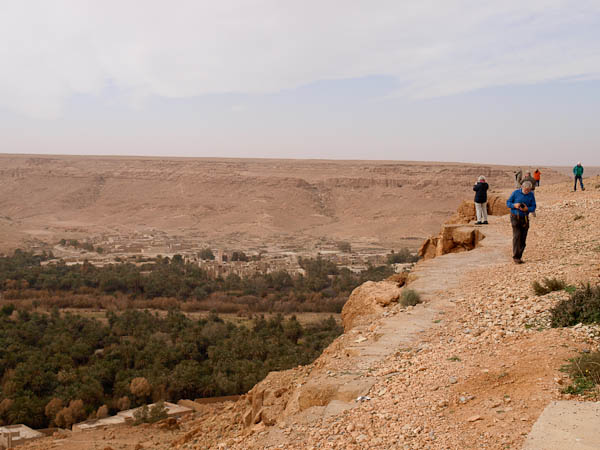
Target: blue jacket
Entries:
(518, 197)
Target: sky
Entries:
(502, 82)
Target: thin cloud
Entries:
(54, 50)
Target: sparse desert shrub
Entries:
(584, 371)
(582, 306)
(410, 297)
(578, 217)
(554, 284)
(548, 285)
(150, 415)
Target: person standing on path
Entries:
(536, 176)
(529, 178)
(521, 202)
(578, 172)
(480, 189)
(518, 178)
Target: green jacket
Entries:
(578, 170)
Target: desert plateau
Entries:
(170, 205)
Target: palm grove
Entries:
(59, 368)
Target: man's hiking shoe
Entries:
(478, 223)
(485, 222)
(517, 261)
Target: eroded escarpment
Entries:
(375, 324)
(289, 393)
(311, 388)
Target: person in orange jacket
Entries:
(536, 176)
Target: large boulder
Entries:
(428, 249)
(453, 238)
(267, 400)
(464, 213)
(496, 206)
(367, 299)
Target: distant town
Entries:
(217, 260)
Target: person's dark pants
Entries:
(578, 177)
(537, 182)
(520, 227)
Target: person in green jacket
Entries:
(578, 172)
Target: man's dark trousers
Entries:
(580, 178)
(520, 227)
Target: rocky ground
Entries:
(476, 375)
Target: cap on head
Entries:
(481, 178)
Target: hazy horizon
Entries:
(454, 81)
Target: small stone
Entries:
(452, 380)
(474, 418)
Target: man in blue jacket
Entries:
(521, 203)
(578, 172)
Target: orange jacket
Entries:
(536, 175)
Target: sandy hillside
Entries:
(237, 201)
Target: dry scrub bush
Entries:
(410, 297)
(548, 285)
(583, 306)
(585, 373)
(150, 415)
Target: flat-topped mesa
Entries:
(456, 234)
